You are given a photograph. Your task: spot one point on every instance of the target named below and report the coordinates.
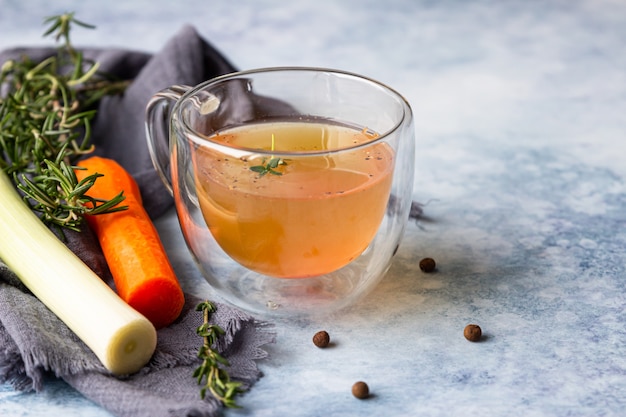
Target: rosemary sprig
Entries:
(46, 109)
(217, 380)
(269, 167)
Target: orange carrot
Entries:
(141, 270)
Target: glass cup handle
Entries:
(158, 111)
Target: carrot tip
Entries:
(160, 299)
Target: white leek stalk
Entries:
(123, 339)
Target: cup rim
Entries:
(201, 139)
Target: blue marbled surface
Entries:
(521, 125)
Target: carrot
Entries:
(141, 270)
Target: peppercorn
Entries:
(360, 390)
(321, 339)
(428, 265)
(472, 332)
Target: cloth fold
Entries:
(34, 342)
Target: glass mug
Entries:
(292, 186)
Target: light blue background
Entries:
(520, 111)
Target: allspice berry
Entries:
(360, 390)
(472, 332)
(321, 339)
(428, 265)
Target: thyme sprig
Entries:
(269, 167)
(46, 110)
(216, 379)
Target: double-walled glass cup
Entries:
(292, 186)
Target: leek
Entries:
(121, 338)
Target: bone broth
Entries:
(294, 216)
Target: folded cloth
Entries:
(34, 342)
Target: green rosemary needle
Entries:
(46, 110)
(216, 379)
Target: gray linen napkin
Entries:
(34, 342)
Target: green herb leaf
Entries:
(45, 126)
(269, 168)
(212, 370)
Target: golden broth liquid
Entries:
(319, 214)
